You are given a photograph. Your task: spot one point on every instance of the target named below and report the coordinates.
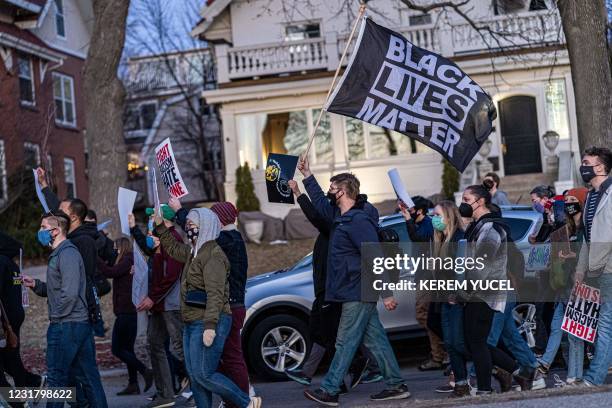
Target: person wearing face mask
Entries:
(351, 225)
(491, 182)
(163, 304)
(205, 306)
(124, 330)
(595, 259)
(542, 198)
(487, 240)
(420, 229)
(70, 342)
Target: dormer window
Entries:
(302, 31)
(60, 26)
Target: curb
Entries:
(113, 372)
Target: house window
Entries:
(366, 141)
(141, 117)
(283, 132)
(556, 108)
(3, 192)
(63, 94)
(302, 31)
(69, 178)
(31, 155)
(419, 19)
(60, 27)
(26, 79)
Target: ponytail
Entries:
(481, 191)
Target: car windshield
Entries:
(305, 261)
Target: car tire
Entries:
(276, 332)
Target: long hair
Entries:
(452, 219)
(124, 246)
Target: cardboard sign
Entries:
(41, 196)
(169, 171)
(560, 240)
(279, 170)
(582, 312)
(539, 257)
(400, 190)
(125, 205)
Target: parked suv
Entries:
(275, 333)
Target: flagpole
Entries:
(362, 10)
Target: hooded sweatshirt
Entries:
(206, 267)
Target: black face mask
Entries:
(466, 210)
(414, 215)
(332, 198)
(572, 208)
(192, 234)
(587, 173)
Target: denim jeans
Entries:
(202, 363)
(598, 370)
(165, 326)
(452, 329)
(554, 339)
(70, 348)
(575, 358)
(359, 322)
(504, 327)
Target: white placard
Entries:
(125, 205)
(140, 288)
(156, 203)
(399, 188)
(581, 315)
(39, 193)
(170, 174)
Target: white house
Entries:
(276, 59)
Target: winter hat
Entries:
(208, 225)
(167, 212)
(580, 193)
(226, 212)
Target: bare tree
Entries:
(104, 96)
(158, 30)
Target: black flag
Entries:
(279, 170)
(394, 84)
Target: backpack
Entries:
(515, 269)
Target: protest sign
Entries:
(125, 205)
(39, 193)
(400, 190)
(539, 257)
(140, 288)
(560, 240)
(170, 174)
(279, 170)
(582, 312)
(104, 225)
(391, 83)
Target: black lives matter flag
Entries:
(394, 84)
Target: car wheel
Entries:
(276, 344)
(524, 316)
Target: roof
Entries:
(26, 41)
(212, 9)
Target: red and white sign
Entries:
(582, 312)
(170, 174)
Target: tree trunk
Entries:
(105, 97)
(584, 25)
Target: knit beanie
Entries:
(167, 212)
(226, 212)
(580, 193)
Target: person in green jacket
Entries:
(206, 326)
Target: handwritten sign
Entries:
(582, 312)
(170, 174)
(539, 257)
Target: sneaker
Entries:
(524, 379)
(431, 365)
(255, 402)
(504, 378)
(460, 391)
(131, 389)
(444, 389)
(400, 392)
(371, 377)
(159, 402)
(539, 381)
(148, 378)
(298, 376)
(359, 370)
(482, 393)
(543, 367)
(322, 397)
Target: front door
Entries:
(519, 131)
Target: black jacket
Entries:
(232, 244)
(10, 281)
(320, 250)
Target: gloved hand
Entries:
(208, 337)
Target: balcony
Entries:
(459, 38)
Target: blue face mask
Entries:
(150, 242)
(44, 237)
(438, 222)
(539, 207)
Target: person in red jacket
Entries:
(165, 321)
(124, 330)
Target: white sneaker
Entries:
(255, 402)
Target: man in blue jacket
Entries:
(351, 227)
